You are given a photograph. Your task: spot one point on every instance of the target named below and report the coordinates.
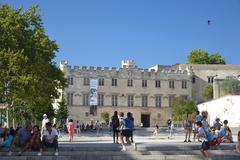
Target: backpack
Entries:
(128, 123)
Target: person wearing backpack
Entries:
(129, 121)
(205, 139)
(115, 127)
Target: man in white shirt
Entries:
(50, 138)
(44, 121)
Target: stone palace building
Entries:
(147, 93)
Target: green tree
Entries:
(29, 79)
(231, 86)
(216, 59)
(183, 108)
(202, 57)
(198, 57)
(105, 116)
(208, 93)
(62, 111)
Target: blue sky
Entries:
(103, 32)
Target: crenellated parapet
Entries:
(124, 72)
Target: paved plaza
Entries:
(146, 147)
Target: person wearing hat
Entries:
(44, 121)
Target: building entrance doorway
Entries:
(145, 120)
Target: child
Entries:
(202, 134)
(238, 143)
(70, 128)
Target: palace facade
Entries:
(147, 93)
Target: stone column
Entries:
(216, 89)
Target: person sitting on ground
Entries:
(50, 139)
(2, 130)
(217, 123)
(227, 138)
(35, 141)
(238, 142)
(8, 141)
(21, 139)
(216, 140)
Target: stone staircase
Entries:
(141, 151)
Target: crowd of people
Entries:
(38, 138)
(30, 137)
(206, 134)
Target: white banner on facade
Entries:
(93, 92)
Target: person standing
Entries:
(188, 129)
(44, 122)
(130, 125)
(70, 128)
(198, 118)
(97, 126)
(115, 126)
(123, 130)
(78, 130)
(169, 123)
(205, 143)
(171, 130)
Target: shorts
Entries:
(205, 145)
(125, 133)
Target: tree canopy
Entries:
(208, 93)
(29, 78)
(202, 57)
(231, 86)
(183, 108)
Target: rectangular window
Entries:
(158, 100)
(86, 81)
(171, 99)
(130, 83)
(184, 84)
(193, 79)
(144, 101)
(100, 99)
(114, 100)
(70, 80)
(85, 99)
(69, 99)
(130, 101)
(171, 84)
(210, 79)
(114, 82)
(158, 84)
(101, 82)
(144, 83)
